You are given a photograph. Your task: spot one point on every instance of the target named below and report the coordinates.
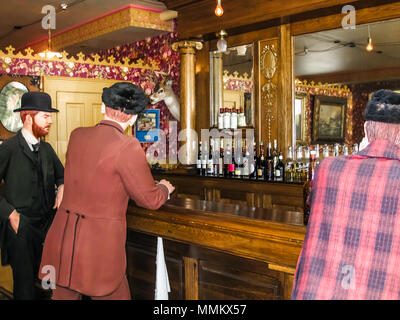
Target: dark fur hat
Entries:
(125, 97)
(384, 106)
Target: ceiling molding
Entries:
(130, 16)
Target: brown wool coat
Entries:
(86, 242)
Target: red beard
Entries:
(38, 131)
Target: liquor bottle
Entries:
(312, 165)
(317, 159)
(253, 163)
(345, 150)
(241, 118)
(221, 118)
(299, 164)
(246, 163)
(215, 157)
(210, 166)
(204, 159)
(280, 169)
(198, 161)
(336, 150)
(234, 119)
(238, 160)
(326, 151)
(227, 118)
(306, 163)
(269, 163)
(221, 158)
(289, 166)
(261, 163)
(228, 162)
(275, 154)
(355, 148)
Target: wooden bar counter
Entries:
(245, 192)
(214, 250)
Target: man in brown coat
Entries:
(104, 168)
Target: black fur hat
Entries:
(384, 106)
(125, 97)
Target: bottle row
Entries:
(234, 159)
(231, 118)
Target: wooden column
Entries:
(188, 144)
(285, 89)
(218, 86)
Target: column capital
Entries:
(187, 44)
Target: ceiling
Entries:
(21, 22)
(340, 50)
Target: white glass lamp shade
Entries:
(222, 45)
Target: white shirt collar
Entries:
(29, 138)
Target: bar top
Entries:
(272, 215)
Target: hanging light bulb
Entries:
(369, 46)
(218, 10)
(221, 43)
(48, 53)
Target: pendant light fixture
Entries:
(48, 53)
(221, 43)
(369, 46)
(219, 11)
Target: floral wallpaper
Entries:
(157, 50)
(361, 93)
(238, 85)
(34, 67)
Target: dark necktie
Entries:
(36, 147)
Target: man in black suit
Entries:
(31, 171)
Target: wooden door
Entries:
(79, 104)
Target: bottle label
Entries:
(277, 173)
(198, 164)
(231, 167)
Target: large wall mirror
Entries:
(232, 83)
(335, 76)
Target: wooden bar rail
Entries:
(215, 250)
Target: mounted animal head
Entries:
(163, 92)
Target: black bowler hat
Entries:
(125, 97)
(384, 106)
(36, 101)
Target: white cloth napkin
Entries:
(162, 282)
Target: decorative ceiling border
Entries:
(80, 66)
(128, 16)
(322, 86)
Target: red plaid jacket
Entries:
(352, 245)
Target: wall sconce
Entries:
(221, 43)
(241, 50)
(218, 10)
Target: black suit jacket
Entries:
(17, 170)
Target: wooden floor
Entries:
(6, 281)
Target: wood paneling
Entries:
(379, 12)
(213, 252)
(198, 18)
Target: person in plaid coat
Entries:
(352, 245)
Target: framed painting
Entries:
(147, 125)
(329, 120)
(300, 114)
